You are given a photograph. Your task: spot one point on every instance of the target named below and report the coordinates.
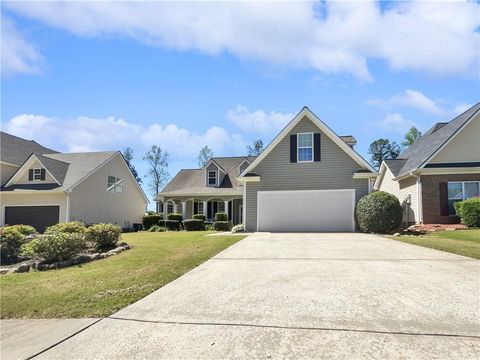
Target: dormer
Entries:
(242, 166)
(214, 174)
(33, 171)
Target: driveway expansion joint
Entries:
(295, 328)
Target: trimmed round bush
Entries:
(194, 225)
(55, 247)
(11, 240)
(199, 217)
(171, 225)
(157, 228)
(25, 230)
(103, 236)
(469, 211)
(222, 226)
(221, 217)
(149, 220)
(69, 227)
(176, 217)
(378, 212)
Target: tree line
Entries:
(157, 159)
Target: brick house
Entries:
(439, 169)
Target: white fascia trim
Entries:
(9, 164)
(216, 164)
(26, 192)
(381, 175)
(191, 195)
(306, 112)
(248, 178)
(365, 175)
(425, 163)
(240, 165)
(26, 165)
(447, 171)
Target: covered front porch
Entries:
(208, 206)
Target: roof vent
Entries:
(436, 127)
(349, 140)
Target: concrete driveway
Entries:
(301, 296)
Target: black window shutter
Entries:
(316, 147)
(42, 174)
(443, 192)
(293, 148)
(195, 208)
(30, 175)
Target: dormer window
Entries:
(212, 178)
(37, 174)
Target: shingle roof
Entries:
(395, 165)
(416, 155)
(192, 181)
(16, 150)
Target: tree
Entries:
(256, 148)
(411, 136)
(383, 149)
(157, 160)
(128, 155)
(205, 154)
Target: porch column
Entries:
(165, 210)
(226, 208)
(205, 211)
(184, 210)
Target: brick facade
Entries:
(431, 196)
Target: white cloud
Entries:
(417, 100)
(258, 121)
(18, 55)
(98, 134)
(460, 108)
(396, 123)
(331, 37)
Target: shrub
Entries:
(176, 217)
(193, 225)
(70, 227)
(55, 247)
(238, 228)
(222, 226)
(11, 239)
(103, 236)
(25, 230)
(157, 228)
(209, 227)
(378, 212)
(199, 217)
(172, 225)
(469, 211)
(221, 217)
(149, 220)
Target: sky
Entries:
(95, 76)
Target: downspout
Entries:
(419, 200)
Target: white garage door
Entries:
(312, 210)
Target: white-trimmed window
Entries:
(212, 178)
(115, 184)
(461, 190)
(37, 174)
(170, 208)
(305, 147)
(221, 206)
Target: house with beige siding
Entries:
(439, 169)
(42, 187)
(307, 179)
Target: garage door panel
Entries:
(314, 210)
(39, 217)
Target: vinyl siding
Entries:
(36, 165)
(220, 174)
(90, 201)
(465, 147)
(334, 171)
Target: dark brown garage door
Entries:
(37, 216)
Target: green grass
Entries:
(461, 242)
(102, 287)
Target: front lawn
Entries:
(461, 242)
(100, 288)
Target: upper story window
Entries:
(461, 190)
(37, 174)
(305, 147)
(212, 178)
(115, 184)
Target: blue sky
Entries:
(101, 76)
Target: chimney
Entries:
(349, 140)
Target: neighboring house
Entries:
(307, 179)
(42, 187)
(439, 169)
